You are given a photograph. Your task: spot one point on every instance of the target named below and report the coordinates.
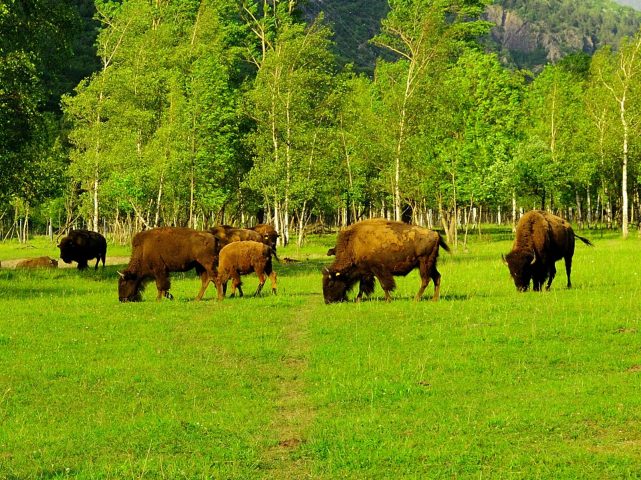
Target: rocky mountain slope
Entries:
(527, 33)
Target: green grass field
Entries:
(486, 383)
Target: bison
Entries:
(382, 249)
(226, 235)
(159, 251)
(241, 258)
(541, 240)
(269, 234)
(38, 262)
(81, 246)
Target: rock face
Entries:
(527, 33)
(529, 41)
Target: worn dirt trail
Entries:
(294, 414)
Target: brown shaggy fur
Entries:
(241, 258)
(226, 235)
(268, 232)
(381, 249)
(541, 240)
(81, 246)
(38, 262)
(159, 251)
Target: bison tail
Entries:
(584, 240)
(444, 245)
(272, 251)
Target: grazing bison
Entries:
(241, 258)
(381, 249)
(81, 246)
(541, 240)
(38, 262)
(159, 251)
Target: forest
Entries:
(124, 115)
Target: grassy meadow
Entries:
(486, 383)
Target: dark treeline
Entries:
(201, 112)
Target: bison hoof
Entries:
(169, 296)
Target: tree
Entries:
(619, 74)
(421, 33)
(287, 102)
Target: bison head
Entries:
(129, 287)
(335, 286)
(521, 265)
(67, 248)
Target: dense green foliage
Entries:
(203, 112)
(485, 382)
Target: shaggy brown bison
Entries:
(541, 240)
(241, 258)
(157, 252)
(381, 249)
(226, 235)
(81, 246)
(269, 234)
(38, 262)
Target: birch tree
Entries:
(420, 33)
(619, 73)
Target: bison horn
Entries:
(533, 259)
(326, 270)
(122, 275)
(503, 258)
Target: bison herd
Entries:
(369, 250)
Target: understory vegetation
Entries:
(195, 113)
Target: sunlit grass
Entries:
(485, 383)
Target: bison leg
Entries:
(425, 273)
(82, 264)
(568, 269)
(236, 284)
(387, 282)
(551, 277)
(261, 282)
(97, 262)
(163, 285)
(205, 278)
(365, 287)
(221, 286)
(272, 278)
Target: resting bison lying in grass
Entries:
(81, 246)
(38, 262)
(241, 258)
(157, 252)
(541, 240)
(381, 249)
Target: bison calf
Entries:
(241, 258)
(541, 240)
(38, 262)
